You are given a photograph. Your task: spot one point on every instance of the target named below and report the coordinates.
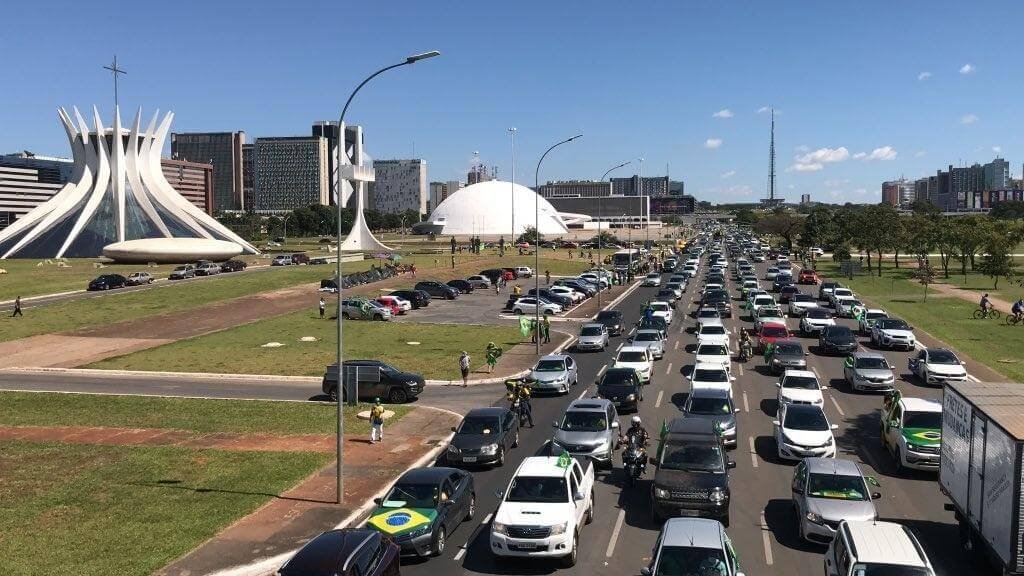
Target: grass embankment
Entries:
(949, 319)
(130, 510)
(239, 351)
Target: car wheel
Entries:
(570, 560)
(517, 311)
(897, 455)
(654, 513)
(398, 396)
(472, 507)
(590, 510)
(924, 377)
(501, 458)
(515, 441)
(437, 548)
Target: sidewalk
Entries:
(285, 523)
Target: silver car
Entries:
(593, 337)
(868, 370)
(554, 373)
(827, 491)
(713, 404)
(589, 428)
(652, 340)
(693, 546)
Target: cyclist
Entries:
(985, 304)
(1018, 309)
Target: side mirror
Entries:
(876, 495)
(378, 501)
(730, 464)
(778, 384)
(732, 378)
(872, 480)
(806, 353)
(893, 368)
(577, 496)
(776, 423)
(834, 427)
(735, 410)
(824, 387)
(500, 494)
(453, 428)
(962, 363)
(554, 424)
(645, 571)
(615, 425)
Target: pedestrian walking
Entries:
(323, 307)
(533, 331)
(547, 277)
(768, 349)
(17, 307)
(412, 269)
(464, 368)
(453, 262)
(546, 328)
(492, 353)
(376, 422)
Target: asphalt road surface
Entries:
(619, 541)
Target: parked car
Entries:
(622, 386)
(183, 272)
(397, 305)
(300, 258)
(837, 339)
(415, 297)
(802, 431)
(479, 281)
(437, 290)
(483, 437)
(589, 428)
(555, 373)
(868, 370)
(282, 260)
(375, 379)
(423, 507)
(493, 274)
(592, 337)
(937, 366)
(233, 266)
(139, 278)
(588, 289)
(207, 269)
(529, 305)
(561, 300)
(524, 272)
(612, 319)
(107, 282)
(345, 551)
(510, 271)
(827, 491)
(652, 279)
(463, 286)
(574, 296)
(876, 547)
(692, 477)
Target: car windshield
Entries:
(537, 489)
(681, 561)
(710, 375)
(709, 406)
(590, 331)
(181, 268)
(942, 357)
(769, 313)
(631, 356)
(875, 315)
(800, 382)
(892, 324)
(404, 495)
(608, 315)
(584, 421)
(889, 570)
(619, 377)
(647, 337)
(763, 300)
(773, 331)
(836, 487)
(654, 275)
(842, 292)
(712, 350)
(810, 420)
(873, 363)
(659, 306)
(819, 314)
(708, 314)
(479, 425)
(693, 457)
(922, 420)
(550, 366)
(789, 349)
(714, 330)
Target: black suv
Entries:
(437, 290)
(345, 551)
(493, 274)
(375, 380)
(232, 266)
(415, 297)
(561, 300)
(692, 477)
(612, 320)
(107, 282)
(837, 339)
(719, 299)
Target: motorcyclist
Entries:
(636, 430)
(519, 390)
(746, 346)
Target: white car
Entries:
(761, 301)
(638, 358)
(868, 319)
(892, 333)
(799, 304)
(937, 366)
(838, 293)
(548, 497)
(713, 334)
(524, 271)
(749, 285)
(663, 309)
(712, 286)
(594, 279)
(803, 431)
(771, 273)
(844, 305)
(677, 288)
(573, 295)
(767, 314)
(652, 279)
(708, 315)
(528, 305)
(711, 376)
(713, 354)
(800, 387)
(815, 320)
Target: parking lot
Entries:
(477, 307)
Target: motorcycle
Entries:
(634, 460)
(746, 350)
(517, 408)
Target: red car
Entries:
(807, 277)
(511, 274)
(770, 333)
(389, 303)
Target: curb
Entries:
(145, 374)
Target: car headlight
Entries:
(558, 529)
(631, 397)
(776, 361)
(498, 528)
(454, 449)
(660, 493)
(717, 495)
(912, 446)
(489, 449)
(813, 517)
(560, 379)
(419, 531)
(412, 383)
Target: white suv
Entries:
(864, 547)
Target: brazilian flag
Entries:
(398, 521)
(661, 438)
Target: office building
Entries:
(676, 188)
(290, 172)
(805, 199)
(192, 180)
(612, 211)
(898, 193)
(576, 189)
(673, 205)
(635, 186)
(28, 180)
(224, 151)
(248, 177)
(400, 185)
(438, 193)
(997, 175)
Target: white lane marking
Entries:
(615, 534)
(668, 369)
(582, 394)
(746, 405)
(973, 378)
(461, 552)
(753, 453)
(657, 403)
(816, 374)
(601, 371)
(619, 347)
(676, 345)
(836, 404)
(472, 536)
(767, 541)
(740, 366)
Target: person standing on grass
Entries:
(323, 307)
(464, 368)
(17, 307)
(376, 422)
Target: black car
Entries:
(782, 280)
(787, 292)
(718, 299)
(585, 287)
(108, 282)
(837, 340)
(788, 355)
(461, 285)
(612, 320)
(667, 295)
(415, 297)
(483, 437)
(493, 274)
(692, 477)
(233, 266)
(653, 323)
(563, 301)
(423, 507)
(348, 552)
(437, 290)
(621, 386)
(375, 379)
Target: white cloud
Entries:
(860, 192)
(728, 174)
(712, 143)
(734, 192)
(920, 154)
(836, 183)
(924, 75)
(969, 119)
(883, 153)
(967, 69)
(812, 167)
(816, 160)
(723, 113)
(997, 149)
(860, 155)
(763, 110)
(803, 148)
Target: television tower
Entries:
(771, 161)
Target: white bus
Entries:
(626, 259)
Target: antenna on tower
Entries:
(771, 161)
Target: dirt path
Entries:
(974, 296)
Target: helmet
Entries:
(636, 420)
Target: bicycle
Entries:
(990, 313)
(1013, 319)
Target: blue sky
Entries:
(866, 91)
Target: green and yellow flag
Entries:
(396, 521)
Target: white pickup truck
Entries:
(541, 512)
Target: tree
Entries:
(819, 229)
(899, 238)
(1008, 210)
(878, 221)
(529, 235)
(924, 273)
(746, 216)
(945, 243)
(780, 223)
(996, 261)
(970, 233)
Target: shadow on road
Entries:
(780, 516)
(768, 451)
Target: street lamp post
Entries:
(600, 241)
(536, 229)
(341, 148)
(512, 134)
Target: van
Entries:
(862, 545)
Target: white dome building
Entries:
(487, 208)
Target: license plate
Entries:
(469, 458)
(526, 545)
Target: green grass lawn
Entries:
(239, 350)
(949, 319)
